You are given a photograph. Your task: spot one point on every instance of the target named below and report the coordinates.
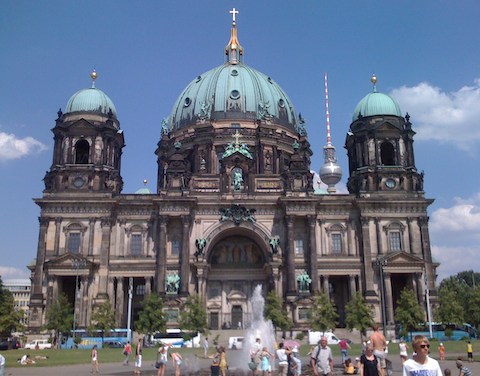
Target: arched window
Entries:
(74, 238)
(387, 154)
(82, 152)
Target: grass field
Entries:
(70, 357)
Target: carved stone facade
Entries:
(206, 231)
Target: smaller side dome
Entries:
(91, 100)
(376, 103)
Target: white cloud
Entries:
(443, 117)
(455, 259)
(12, 147)
(462, 219)
(8, 272)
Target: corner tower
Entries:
(380, 148)
(88, 145)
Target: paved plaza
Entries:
(201, 365)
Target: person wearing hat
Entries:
(464, 371)
(421, 363)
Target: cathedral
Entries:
(235, 206)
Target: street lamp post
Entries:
(381, 263)
(77, 264)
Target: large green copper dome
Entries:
(232, 91)
(376, 104)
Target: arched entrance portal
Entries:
(237, 265)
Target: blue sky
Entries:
(425, 54)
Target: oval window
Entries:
(234, 72)
(234, 94)
(281, 103)
(187, 102)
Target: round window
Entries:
(234, 94)
(234, 72)
(390, 183)
(187, 102)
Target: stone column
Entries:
(110, 288)
(120, 301)
(148, 285)
(351, 282)
(56, 246)
(36, 299)
(419, 288)
(388, 297)
(326, 285)
(378, 233)
(291, 280)
(185, 256)
(322, 238)
(426, 251)
(161, 261)
(91, 235)
(82, 320)
(367, 256)
(351, 237)
(104, 258)
(313, 254)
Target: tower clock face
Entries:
(78, 182)
(390, 183)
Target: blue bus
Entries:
(114, 337)
(458, 331)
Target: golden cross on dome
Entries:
(236, 136)
(234, 12)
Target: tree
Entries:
(151, 318)
(59, 316)
(275, 312)
(193, 317)
(324, 317)
(103, 318)
(408, 313)
(450, 309)
(10, 318)
(358, 315)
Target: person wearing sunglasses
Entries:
(421, 363)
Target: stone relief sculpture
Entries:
(237, 180)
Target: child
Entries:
(177, 361)
(441, 352)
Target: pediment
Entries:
(81, 124)
(387, 127)
(237, 295)
(70, 263)
(402, 258)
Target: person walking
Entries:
(369, 363)
(223, 361)
(421, 363)
(379, 343)
(95, 368)
(322, 359)
(138, 357)
(127, 350)
(344, 347)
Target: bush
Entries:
(300, 336)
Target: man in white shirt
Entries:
(322, 359)
(282, 360)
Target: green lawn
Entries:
(67, 357)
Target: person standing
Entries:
(282, 357)
(421, 363)
(223, 361)
(205, 347)
(369, 363)
(344, 347)
(127, 350)
(403, 349)
(322, 359)
(162, 359)
(265, 364)
(441, 352)
(95, 360)
(138, 357)
(464, 371)
(470, 351)
(379, 343)
(2, 365)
